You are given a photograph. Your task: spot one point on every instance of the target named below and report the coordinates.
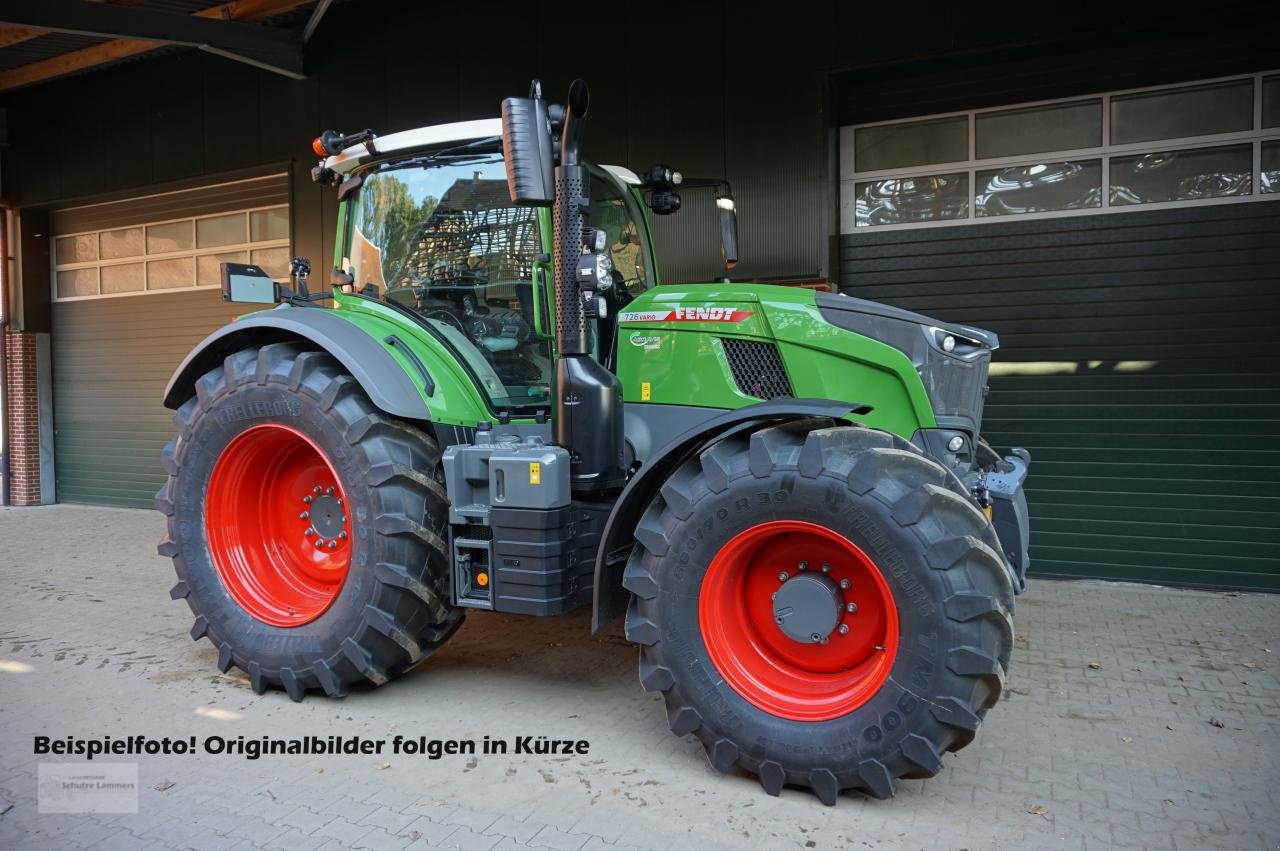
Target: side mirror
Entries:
(245, 283)
(728, 211)
(526, 141)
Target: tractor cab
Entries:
(427, 224)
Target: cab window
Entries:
(442, 238)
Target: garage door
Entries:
(1134, 279)
(135, 287)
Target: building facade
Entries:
(1100, 191)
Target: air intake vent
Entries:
(757, 368)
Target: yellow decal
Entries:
(644, 391)
(986, 509)
(535, 473)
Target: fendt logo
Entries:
(687, 314)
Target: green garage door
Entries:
(1138, 365)
(135, 289)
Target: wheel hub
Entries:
(326, 516)
(807, 607)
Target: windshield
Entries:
(441, 237)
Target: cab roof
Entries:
(426, 138)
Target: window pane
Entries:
(77, 282)
(274, 261)
(207, 272)
(175, 236)
(125, 278)
(269, 224)
(77, 249)
(1038, 188)
(912, 199)
(1271, 101)
(1181, 175)
(1270, 181)
(1039, 128)
(169, 274)
(221, 230)
(1174, 113)
(944, 140)
(126, 242)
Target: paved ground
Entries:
(1135, 716)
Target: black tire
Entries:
(902, 509)
(393, 610)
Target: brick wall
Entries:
(24, 418)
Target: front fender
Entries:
(389, 385)
(610, 600)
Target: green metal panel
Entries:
(111, 360)
(456, 399)
(683, 362)
(1138, 366)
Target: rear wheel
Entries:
(823, 607)
(305, 526)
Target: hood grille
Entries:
(757, 368)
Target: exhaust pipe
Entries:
(587, 398)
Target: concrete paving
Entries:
(1135, 716)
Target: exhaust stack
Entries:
(587, 413)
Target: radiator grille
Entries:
(757, 368)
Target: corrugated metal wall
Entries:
(1146, 382)
(111, 360)
(113, 356)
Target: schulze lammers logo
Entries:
(87, 787)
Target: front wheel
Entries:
(305, 526)
(824, 607)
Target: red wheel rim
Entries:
(277, 524)
(772, 671)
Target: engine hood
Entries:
(847, 304)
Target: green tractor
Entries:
(783, 492)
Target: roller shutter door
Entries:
(134, 291)
(1139, 367)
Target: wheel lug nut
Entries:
(329, 489)
(783, 576)
(804, 565)
(309, 532)
(307, 499)
(316, 489)
(342, 535)
(844, 583)
(817, 638)
(826, 568)
(851, 608)
(844, 629)
(304, 515)
(333, 545)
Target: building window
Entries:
(1211, 141)
(180, 254)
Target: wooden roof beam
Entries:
(111, 51)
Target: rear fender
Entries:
(399, 390)
(610, 599)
